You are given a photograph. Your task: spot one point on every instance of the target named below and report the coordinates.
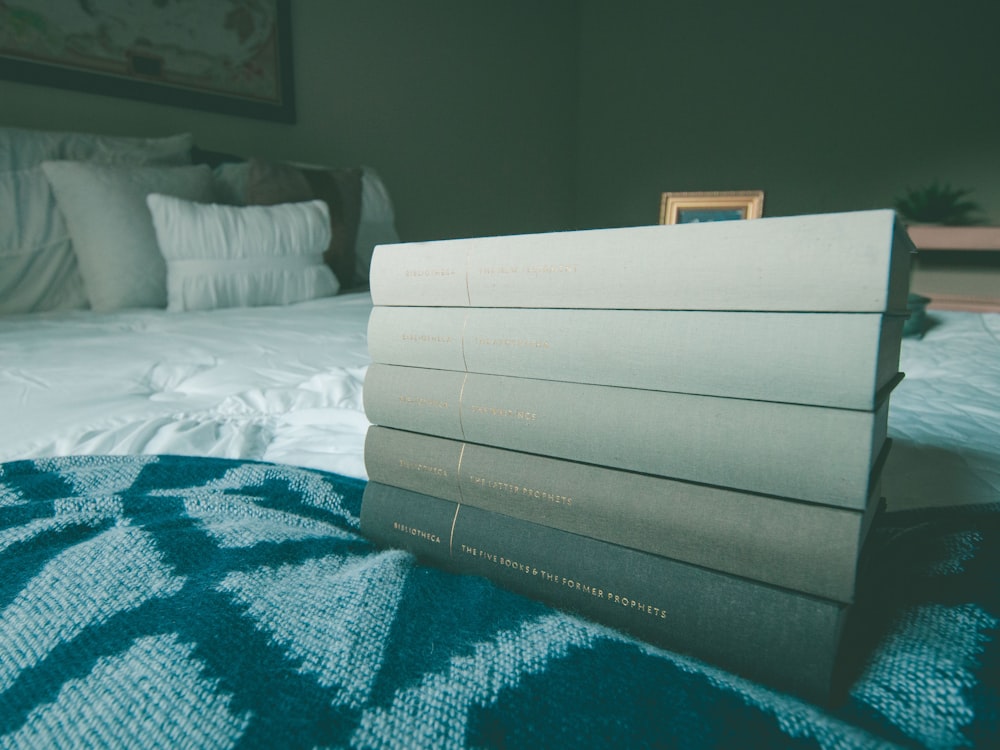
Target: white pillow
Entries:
(113, 236)
(38, 270)
(21, 148)
(242, 256)
(377, 224)
(230, 182)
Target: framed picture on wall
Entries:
(233, 57)
(692, 207)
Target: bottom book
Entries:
(779, 637)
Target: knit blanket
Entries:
(161, 601)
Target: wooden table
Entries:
(957, 267)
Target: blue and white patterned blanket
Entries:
(166, 601)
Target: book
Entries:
(786, 639)
(854, 261)
(802, 546)
(811, 453)
(843, 360)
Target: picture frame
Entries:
(698, 206)
(233, 58)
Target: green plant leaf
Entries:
(938, 204)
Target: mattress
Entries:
(944, 418)
(283, 384)
(213, 559)
(280, 384)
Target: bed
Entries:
(180, 562)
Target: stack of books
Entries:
(674, 430)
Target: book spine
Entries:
(808, 453)
(840, 360)
(783, 638)
(805, 547)
(846, 262)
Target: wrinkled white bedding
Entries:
(276, 384)
(283, 384)
(944, 417)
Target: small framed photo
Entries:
(692, 207)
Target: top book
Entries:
(856, 261)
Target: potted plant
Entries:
(938, 204)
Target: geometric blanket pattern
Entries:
(165, 601)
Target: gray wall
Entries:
(502, 116)
(825, 105)
(466, 108)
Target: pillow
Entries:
(113, 236)
(38, 270)
(270, 183)
(229, 181)
(22, 148)
(377, 225)
(242, 256)
(375, 220)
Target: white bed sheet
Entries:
(276, 384)
(944, 417)
(284, 384)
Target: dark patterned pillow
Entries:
(269, 183)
